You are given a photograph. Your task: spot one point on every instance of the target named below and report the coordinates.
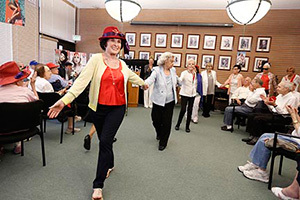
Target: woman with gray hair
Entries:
(187, 92)
(165, 80)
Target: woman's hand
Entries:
(55, 109)
(33, 79)
(145, 87)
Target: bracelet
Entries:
(295, 122)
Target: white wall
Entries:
(6, 43)
(57, 19)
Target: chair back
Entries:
(49, 99)
(20, 116)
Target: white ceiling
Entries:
(184, 4)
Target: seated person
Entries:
(57, 82)
(246, 107)
(241, 93)
(296, 93)
(260, 154)
(257, 121)
(43, 86)
(12, 87)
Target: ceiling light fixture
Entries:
(246, 12)
(122, 10)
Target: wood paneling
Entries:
(282, 25)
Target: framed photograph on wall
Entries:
(157, 55)
(210, 42)
(176, 40)
(189, 56)
(193, 41)
(224, 63)
(161, 40)
(245, 43)
(145, 40)
(130, 37)
(207, 59)
(245, 67)
(226, 43)
(144, 55)
(263, 44)
(258, 63)
(130, 55)
(177, 59)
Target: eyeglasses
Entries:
(265, 68)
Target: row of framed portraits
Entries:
(193, 41)
(224, 62)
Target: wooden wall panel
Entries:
(281, 25)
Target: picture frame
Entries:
(257, 65)
(263, 44)
(207, 58)
(145, 40)
(176, 40)
(177, 59)
(157, 55)
(224, 63)
(161, 40)
(210, 42)
(131, 38)
(191, 56)
(193, 41)
(226, 43)
(130, 55)
(245, 43)
(245, 67)
(144, 55)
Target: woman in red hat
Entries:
(108, 76)
(12, 87)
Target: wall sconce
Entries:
(122, 10)
(246, 12)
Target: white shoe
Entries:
(249, 166)
(277, 191)
(77, 118)
(257, 174)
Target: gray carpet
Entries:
(199, 165)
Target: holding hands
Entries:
(145, 87)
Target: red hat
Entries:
(112, 32)
(51, 65)
(11, 72)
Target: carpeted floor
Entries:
(199, 165)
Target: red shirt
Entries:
(112, 87)
(265, 79)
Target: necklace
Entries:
(112, 76)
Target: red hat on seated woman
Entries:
(51, 65)
(11, 72)
(111, 32)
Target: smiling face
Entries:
(281, 89)
(76, 59)
(113, 46)
(191, 65)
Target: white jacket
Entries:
(205, 81)
(188, 84)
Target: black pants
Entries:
(207, 104)
(107, 120)
(260, 123)
(186, 101)
(162, 121)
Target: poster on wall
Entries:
(13, 12)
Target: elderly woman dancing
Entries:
(108, 76)
(163, 97)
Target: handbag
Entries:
(286, 145)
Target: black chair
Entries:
(21, 120)
(282, 153)
(49, 99)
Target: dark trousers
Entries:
(107, 120)
(207, 104)
(186, 101)
(260, 123)
(162, 121)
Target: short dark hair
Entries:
(238, 66)
(103, 43)
(40, 70)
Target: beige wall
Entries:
(281, 25)
(25, 38)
